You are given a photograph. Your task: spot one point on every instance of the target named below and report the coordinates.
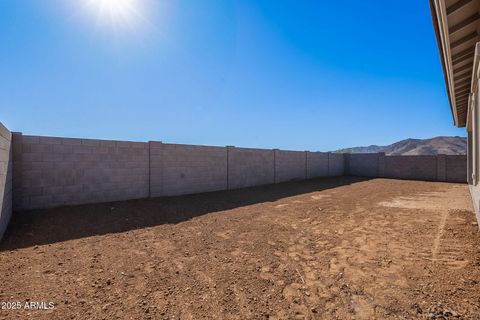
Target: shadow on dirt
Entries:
(38, 227)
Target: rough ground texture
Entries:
(340, 248)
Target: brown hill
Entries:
(434, 146)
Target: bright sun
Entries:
(117, 13)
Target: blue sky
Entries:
(301, 75)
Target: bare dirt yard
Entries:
(343, 248)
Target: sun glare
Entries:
(117, 14)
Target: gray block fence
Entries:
(44, 172)
(53, 171)
(250, 167)
(443, 168)
(6, 174)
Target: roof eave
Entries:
(441, 40)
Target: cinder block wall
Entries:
(52, 171)
(64, 171)
(363, 164)
(182, 169)
(317, 164)
(446, 168)
(156, 169)
(250, 167)
(290, 165)
(412, 167)
(336, 164)
(456, 168)
(6, 173)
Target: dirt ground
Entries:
(342, 248)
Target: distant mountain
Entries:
(434, 146)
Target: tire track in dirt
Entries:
(438, 237)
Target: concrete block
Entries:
(317, 164)
(123, 144)
(289, 165)
(4, 132)
(52, 157)
(441, 168)
(184, 169)
(30, 139)
(90, 142)
(363, 164)
(411, 167)
(336, 164)
(40, 148)
(31, 157)
(4, 143)
(6, 175)
(71, 141)
(82, 149)
(107, 143)
(456, 168)
(62, 149)
(249, 167)
(381, 164)
(32, 191)
(50, 140)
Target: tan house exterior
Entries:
(457, 27)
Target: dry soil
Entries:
(343, 248)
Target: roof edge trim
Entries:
(443, 43)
